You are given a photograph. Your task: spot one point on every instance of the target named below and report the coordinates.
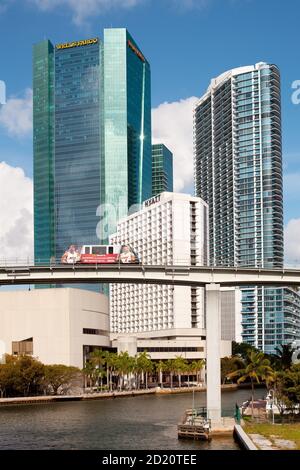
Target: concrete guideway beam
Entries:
(213, 353)
(173, 275)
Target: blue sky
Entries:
(187, 42)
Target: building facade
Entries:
(162, 169)
(92, 139)
(280, 321)
(238, 172)
(127, 117)
(57, 326)
(168, 344)
(238, 169)
(43, 148)
(231, 314)
(171, 229)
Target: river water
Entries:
(144, 422)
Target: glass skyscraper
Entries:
(43, 145)
(238, 172)
(92, 139)
(127, 118)
(162, 169)
(77, 144)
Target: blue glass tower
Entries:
(92, 139)
(238, 171)
(77, 147)
(162, 169)
(127, 118)
(43, 143)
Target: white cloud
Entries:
(16, 213)
(292, 242)
(16, 115)
(172, 125)
(83, 9)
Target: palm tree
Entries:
(179, 365)
(113, 360)
(124, 365)
(190, 370)
(285, 354)
(169, 367)
(89, 373)
(160, 368)
(108, 358)
(144, 364)
(97, 359)
(228, 365)
(242, 349)
(256, 368)
(196, 367)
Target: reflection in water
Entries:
(145, 422)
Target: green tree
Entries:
(109, 361)
(144, 365)
(242, 349)
(284, 355)
(228, 365)
(196, 368)
(255, 368)
(287, 388)
(7, 377)
(98, 361)
(89, 374)
(124, 365)
(160, 369)
(21, 375)
(169, 367)
(59, 375)
(179, 366)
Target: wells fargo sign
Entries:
(136, 51)
(84, 42)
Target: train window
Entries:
(87, 250)
(99, 250)
(110, 250)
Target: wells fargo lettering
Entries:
(136, 51)
(84, 42)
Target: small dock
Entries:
(194, 425)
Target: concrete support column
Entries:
(213, 360)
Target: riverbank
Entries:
(267, 436)
(102, 395)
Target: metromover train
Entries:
(99, 254)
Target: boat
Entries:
(194, 425)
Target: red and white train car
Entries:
(99, 254)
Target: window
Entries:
(171, 349)
(22, 347)
(93, 331)
(99, 250)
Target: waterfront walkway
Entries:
(100, 395)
